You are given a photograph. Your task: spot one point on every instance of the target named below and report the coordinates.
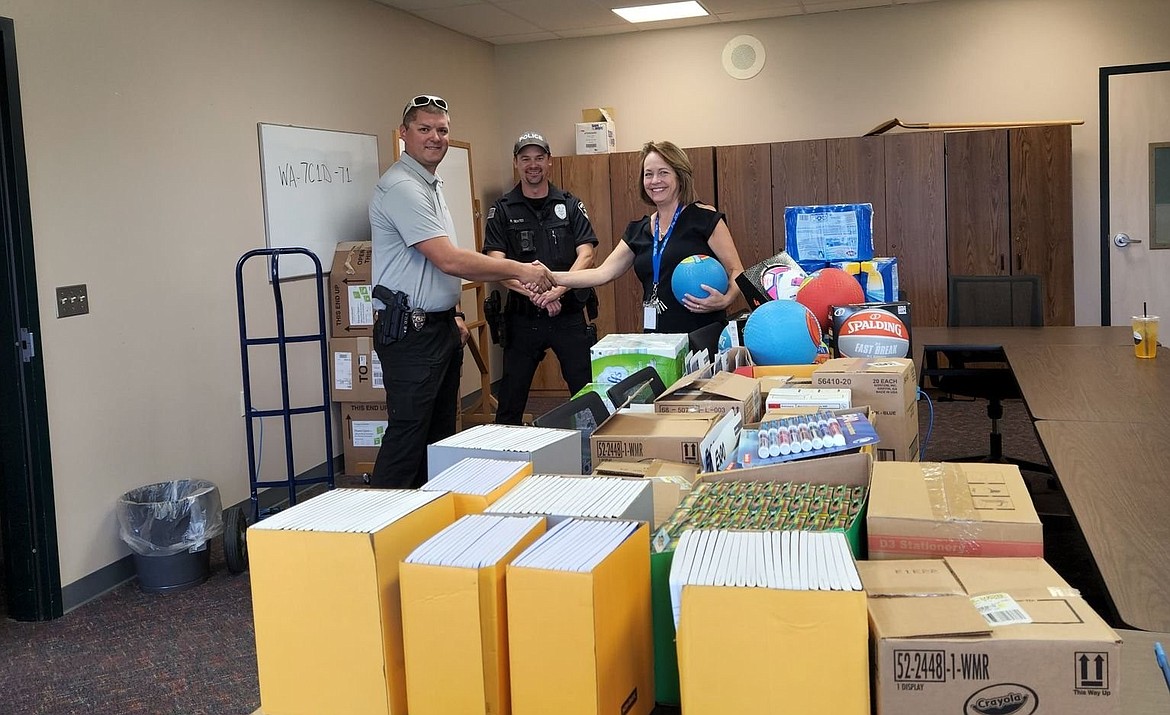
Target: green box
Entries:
(619, 355)
(848, 469)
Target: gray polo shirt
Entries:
(408, 207)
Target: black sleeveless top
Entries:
(690, 237)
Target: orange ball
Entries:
(828, 287)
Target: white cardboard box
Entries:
(597, 133)
(551, 451)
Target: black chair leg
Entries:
(995, 453)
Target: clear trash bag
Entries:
(170, 517)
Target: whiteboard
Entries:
(458, 189)
(317, 185)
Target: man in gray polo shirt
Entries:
(415, 255)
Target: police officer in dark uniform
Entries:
(538, 221)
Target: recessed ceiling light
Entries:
(664, 11)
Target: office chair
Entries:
(998, 301)
(582, 413)
(640, 387)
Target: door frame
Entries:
(1103, 105)
(32, 570)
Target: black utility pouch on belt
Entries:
(392, 321)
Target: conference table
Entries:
(1103, 419)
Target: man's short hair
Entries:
(423, 103)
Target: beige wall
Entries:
(841, 74)
(140, 127)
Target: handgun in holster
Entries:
(493, 313)
(392, 322)
(591, 313)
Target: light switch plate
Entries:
(72, 300)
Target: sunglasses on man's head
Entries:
(423, 100)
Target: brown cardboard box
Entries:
(634, 435)
(931, 509)
(351, 310)
(935, 652)
(354, 371)
(701, 391)
(672, 481)
(365, 423)
(890, 387)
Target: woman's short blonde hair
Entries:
(675, 158)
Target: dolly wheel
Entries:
(235, 540)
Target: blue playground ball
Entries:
(725, 337)
(695, 271)
(782, 332)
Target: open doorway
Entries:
(28, 530)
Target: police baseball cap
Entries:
(530, 139)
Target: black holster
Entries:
(392, 322)
(493, 313)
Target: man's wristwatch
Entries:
(459, 314)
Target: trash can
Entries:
(167, 526)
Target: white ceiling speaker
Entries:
(743, 57)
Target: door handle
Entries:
(1122, 240)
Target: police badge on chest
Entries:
(561, 212)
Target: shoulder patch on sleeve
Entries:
(581, 208)
(491, 213)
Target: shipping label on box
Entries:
(365, 425)
(356, 371)
(351, 310)
(719, 392)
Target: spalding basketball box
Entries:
(870, 330)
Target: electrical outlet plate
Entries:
(72, 300)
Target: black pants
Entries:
(421, 373)
(528, 338)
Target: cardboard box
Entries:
(619, 355)
(791, 373)
(836, 232)
(551, 451)
(935, 653)
(889, 386)
(829, 398)
(633, 435)
(878, 277)
(327, 607)
(580, 643)
(703, 391)
(850, 469)
(364, 426)
(672, 481)
(933, 509)
(351, 307)
(355, 372)
(478, 503)
(455, 636)
(597, 132)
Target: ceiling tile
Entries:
(598, 31)
(412, 5)
(519, 39)
(759, 14)
(561, 14)
(815, 6)
(479, 21)
(722, 7)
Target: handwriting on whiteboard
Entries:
(306, 173)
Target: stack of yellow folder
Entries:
(770, 618)
(325, 599)
(454, 620)
(477, 482)
(579, 621)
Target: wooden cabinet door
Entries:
(916, 222)
(625, 203)
(977, 202)
(1041, 214)
(798, 179)
(856, 173)
(745, 197)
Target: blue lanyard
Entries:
(659, 244)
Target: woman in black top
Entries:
(680, 227)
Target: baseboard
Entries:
(113, 575)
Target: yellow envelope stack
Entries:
(454, 618)
(325, 599)
(747, 650)
(580, 641)
(478, 482)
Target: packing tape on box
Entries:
(952, 503)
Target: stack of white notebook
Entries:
(475, 541)
(789, 560)
(475, 475)
(348, 511)
(551, 451)
(576, 545)
(559, 497)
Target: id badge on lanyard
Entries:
(654, 306)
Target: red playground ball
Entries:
(782, 332)
(828, 287)
(695, 271)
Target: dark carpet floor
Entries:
(192, 653)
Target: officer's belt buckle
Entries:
(418, 318)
